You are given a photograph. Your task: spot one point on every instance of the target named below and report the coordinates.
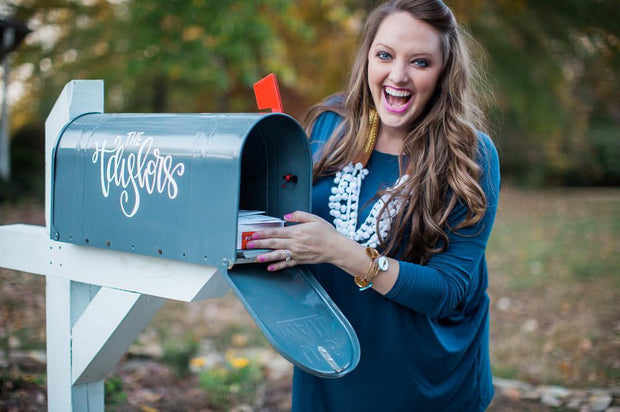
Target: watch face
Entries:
(383, 263)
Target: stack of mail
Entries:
(250, 221)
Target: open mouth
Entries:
(396, 100)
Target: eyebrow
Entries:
(424, 53)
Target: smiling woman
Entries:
(404, 198)
(404, 64)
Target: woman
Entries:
(404, 199)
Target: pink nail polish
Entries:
(255, 236)
(287, 216)
(249, 245)
(270, 268)
(261, 258)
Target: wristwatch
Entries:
(378, 264)
(383, 263)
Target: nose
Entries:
(399, 73)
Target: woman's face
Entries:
(404, 63)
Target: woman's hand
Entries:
(314, 240)
(311, 240)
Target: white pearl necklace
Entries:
(344, 205)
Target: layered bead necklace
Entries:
(344, 207)
(345, 194)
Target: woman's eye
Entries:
(421, 62)
(383, 55)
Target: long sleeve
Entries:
(437, 288)
(322, 130)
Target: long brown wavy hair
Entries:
(440, 149)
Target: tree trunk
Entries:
(160, 94)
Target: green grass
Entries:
(553, 257)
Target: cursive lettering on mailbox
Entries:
(142, 169)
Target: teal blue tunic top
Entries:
(424, 345)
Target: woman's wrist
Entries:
(348, 255)
(352, 258)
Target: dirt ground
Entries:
(150, 386)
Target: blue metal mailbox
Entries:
(171, 186)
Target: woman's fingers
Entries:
(303, 242)
(300, 217)
(282, 258)
(275, 255)
(284, 232)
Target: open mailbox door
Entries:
(298, 318)
(171, 186)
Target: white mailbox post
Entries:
(97, 301)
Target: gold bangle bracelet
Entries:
(366, 282)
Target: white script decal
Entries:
(142, 169)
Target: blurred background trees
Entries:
(552, 65)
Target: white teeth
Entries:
(397, 93)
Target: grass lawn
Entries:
(554, 282)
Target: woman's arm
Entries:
(434, 289)
(438, 287)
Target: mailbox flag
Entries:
(267, 94)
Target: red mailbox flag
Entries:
(267, 94)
